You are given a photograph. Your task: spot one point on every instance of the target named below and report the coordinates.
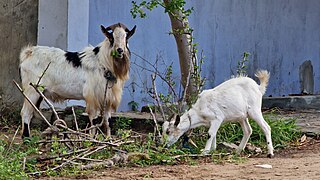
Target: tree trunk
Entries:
(183, 39)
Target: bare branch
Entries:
(78, 140)
(156, 72)
(15, 134)
(75, 119)
(96, 150)
(155, 122)
(118, 158)
(153, 77)
(46, 100)
(43, 74)
(27, 98)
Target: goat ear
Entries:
(105, 32)
(177, 121)
(103, 29)
(165, 127)
(130, 33)
(170, 119)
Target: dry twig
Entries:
(27, 98)
(43, 74)
(153, 77)
(155, 122)
(46, 100)
(75, 119)
(117, 158)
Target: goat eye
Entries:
(168, 131)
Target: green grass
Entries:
(12, 159)
(284, 132)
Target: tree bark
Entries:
(183, 40)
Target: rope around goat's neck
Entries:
(109, 77)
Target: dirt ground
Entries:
(301, 162)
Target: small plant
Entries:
(134, 105)
(122, 123)
(11, 159)
(242, 64)
(138, 9)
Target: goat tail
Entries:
(26, 52)
(263, 76)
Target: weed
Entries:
(122, 123)
(242, 64)
(134, 105)
(11, 159)
(284, 131)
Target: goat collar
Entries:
(109, 77)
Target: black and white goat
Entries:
(78, 75)
(233, 100)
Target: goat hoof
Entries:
(205, 152)
(270, 155)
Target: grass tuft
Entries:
(284, 132)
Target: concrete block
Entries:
(292, 102)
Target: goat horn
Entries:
(191, 142)
(109, 28)
(112, 27)
(124, 27)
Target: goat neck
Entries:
(189, 120)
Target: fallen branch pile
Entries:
(89, 148)
(79, 146)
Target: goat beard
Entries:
(121, 67)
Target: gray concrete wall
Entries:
(53, 23)
(279, 34)
(18, 28)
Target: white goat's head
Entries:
(118, 36)
(170, 130)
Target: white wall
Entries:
(78, 24)
(53, 20)
(64, 24)
(279, 35)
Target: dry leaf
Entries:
(303, 138)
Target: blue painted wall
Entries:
(279, 34)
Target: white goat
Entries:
(233, 100)
(78, 75)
